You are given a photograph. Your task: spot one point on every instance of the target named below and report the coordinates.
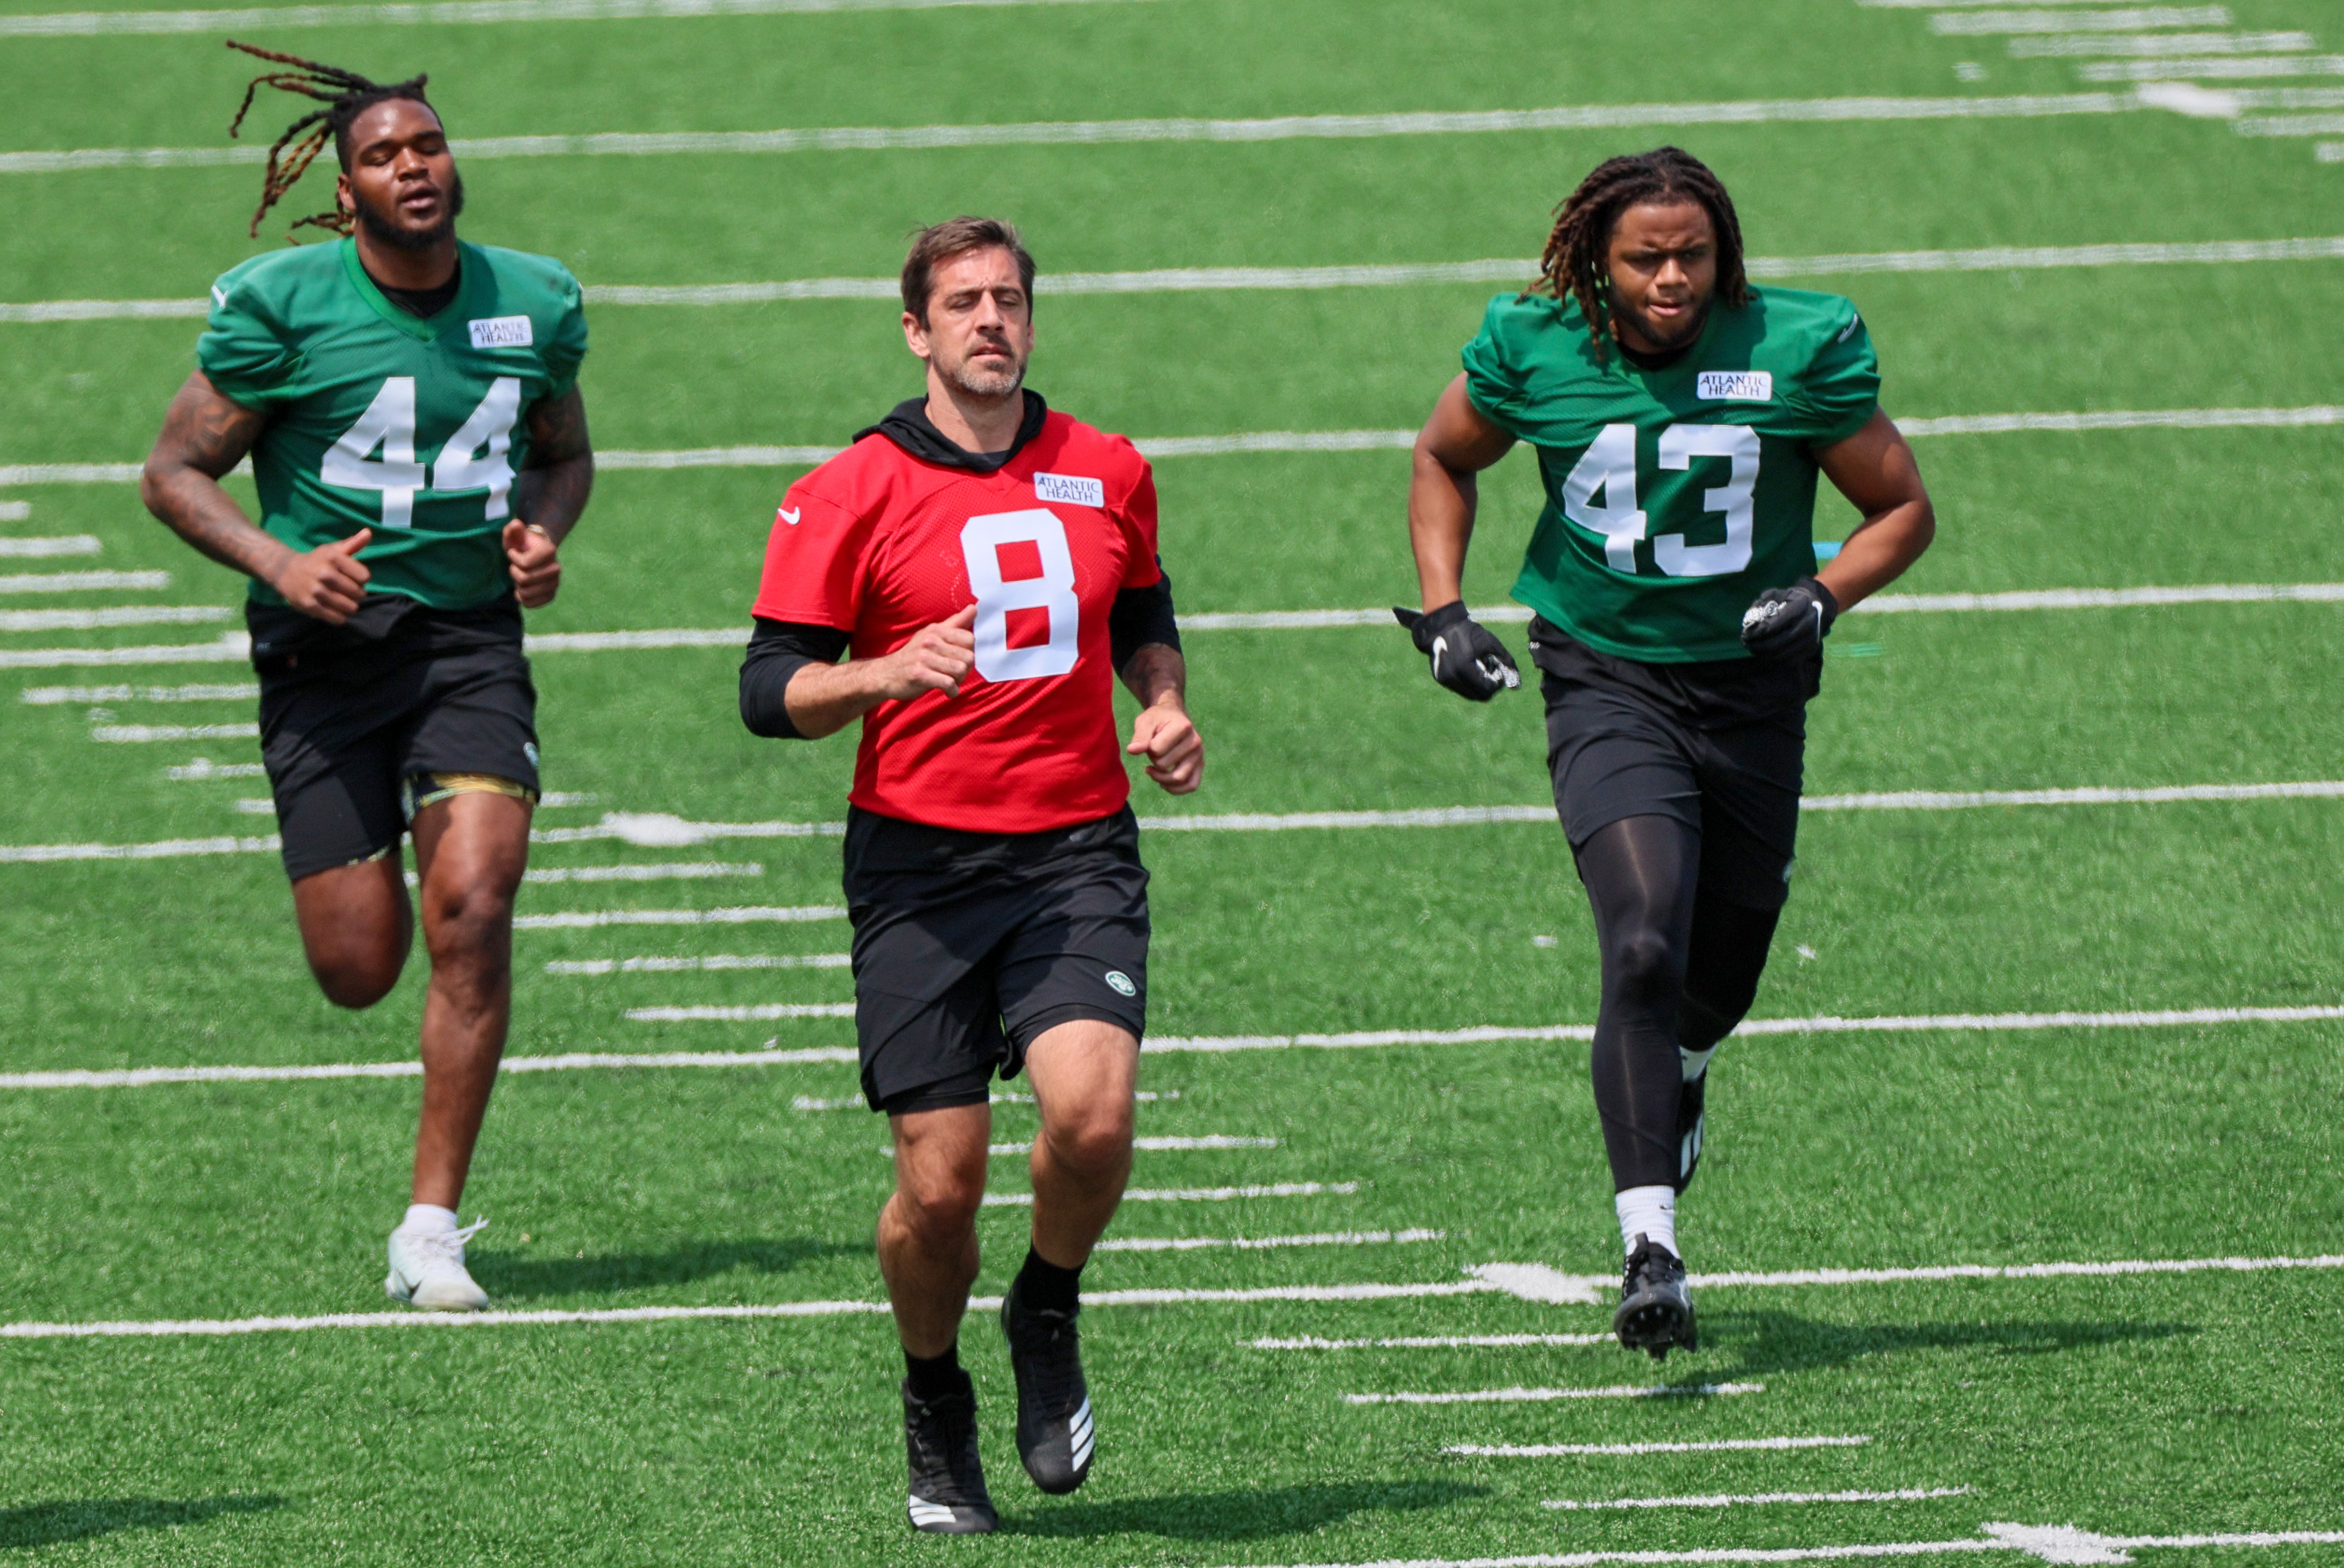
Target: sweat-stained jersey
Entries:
(1675, 496)
(410, 426)
(878, 543)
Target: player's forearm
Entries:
(554, 497)
(824, 698)
(1157, 674)
(1442, 503)
(1880, 552)
(191, 504)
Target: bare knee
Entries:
(469, 927)
(937, 1205)
(354, 931)
(358, 980)
(1096, 1142)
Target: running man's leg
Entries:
(1083, 1073)
(355, 927)
(1725, 957)
(1641, 872)
(927, 1231)
(469, 850)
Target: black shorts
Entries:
(1719, 747)
(349, 714)
(967, 946)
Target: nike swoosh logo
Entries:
(790, 517)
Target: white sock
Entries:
(428, 1216)
(1696, 1062)
(1650, 1212)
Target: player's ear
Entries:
(916, 334)
(343, 200)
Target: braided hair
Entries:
(346, 94)
(1577, 260)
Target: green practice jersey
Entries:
(410, 426)
(1676, 496)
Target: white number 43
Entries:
(1609, 466)
(474, 457)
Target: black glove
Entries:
(1465, 658)
(1787, 623)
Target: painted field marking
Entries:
(1632, 1449)
(2214, 67)
(2044, 1542)
(1744, 1499)
(762, 1012)
(204, 768)
(1147, 1145)
(2292, 126)
(232, 648)
(2329, 152)
(1203, 1195)
(1184, 279)
(1434, 1342)
(135, 734)
(238, 646)
(1079, 132)
(713, 961)
(676, 871)
(583, 919)
(18, 511)
(451, 13)
(1543, 1396)
(78, 582)
(2150, 46)
(1959, 1023)
(57, 544)
(1537, 1282)
(856, 1102)
(2138, 19)
(42, 695)
(120, 615)
(1259, 1243)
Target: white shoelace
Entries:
(449, 1244)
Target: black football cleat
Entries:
(1055, 1433)
(1655, 1308)
(948, 1495)
(1689, 1125)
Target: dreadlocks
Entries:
(346, 94)
(1577, 259)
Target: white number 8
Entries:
(1052, 592)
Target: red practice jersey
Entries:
(878, 543)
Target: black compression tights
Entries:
(1679, 969)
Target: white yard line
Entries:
(581, 919)
(1199, 1194)
(1947, 1023)
(762, 1012)
(1753, 1499)
(713, 961)
(120, 615)
(16, 511)
(1543, 1396)
(140, 1078)
(1537, 1282)
(451, 13)
(39, 695)
(2292, 126)
(2138, 19)
(2214, 68)
(1632, 1450)
(204, 768)
(1145, 1144)
(79, 581)
(678, 871)
(1995, 258)
(1436, 1342)
(2150, 46)
(2062, 1544)
(1259, 1243)
(55, 544)
(134, 734)
(1076, 132)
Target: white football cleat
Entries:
(427, 1269)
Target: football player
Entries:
(1680, 417)
(410, 406)
(990, 569)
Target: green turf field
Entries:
(2156, 1406)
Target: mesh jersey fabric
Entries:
(1675, 494)
(879, 544)
(413, 427)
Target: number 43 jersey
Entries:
(1675, 496)
(409, 426)
(879, 542)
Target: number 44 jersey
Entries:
(1677, 495)
(879, 542)
(412, 426)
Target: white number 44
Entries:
(474, 457)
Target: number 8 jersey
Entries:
(1675, 495)
(879, 542)
(412, 426)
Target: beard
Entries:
(385, 230)
(985, 383)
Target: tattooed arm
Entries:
(205, 434)
(549, 495)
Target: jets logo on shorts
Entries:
(529, 749)
(1122, 982)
